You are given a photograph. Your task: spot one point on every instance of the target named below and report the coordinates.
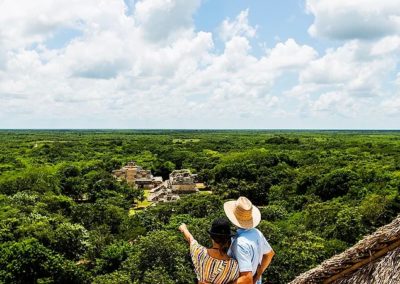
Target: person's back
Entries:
(213, 265)
(248, 248)
(210, 269)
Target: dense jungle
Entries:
(65, 219)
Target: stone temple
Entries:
(179, 182)
(137, 176)
(182, 181)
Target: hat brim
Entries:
(229, 208)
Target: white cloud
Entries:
(335, 103)
(386, 45)
(160, 19)
(149, 65)
(354, 76)
(290, 55)
(27, 22)
(391, 106)
(115, 70)
(350, 68)
(355, 19)
(397, 80)
(238, 27)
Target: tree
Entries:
(28, 261)
(70, 239)
(335, 184)
(72, 183)
(112, 256)
(117, 277)
(159, 250)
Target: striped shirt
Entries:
(212, 270)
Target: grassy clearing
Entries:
(146, 195)
(141, 204)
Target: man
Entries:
(249, 247)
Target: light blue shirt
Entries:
(248, 248)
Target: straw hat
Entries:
(242, 213)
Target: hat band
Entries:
(243, 214)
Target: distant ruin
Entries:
(137, 176)
(162, 194)
(180, 182)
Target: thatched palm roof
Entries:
(374, 259)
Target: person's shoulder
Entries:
(242, 239)
(195, 246)
(253, 234)
(258, 232)
(261, 236)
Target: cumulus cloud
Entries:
(356, 19)
(335, 103)
(147, 65)
(391, 106)
(397, 80)
(354, 68)
(289, 54)
(386, 45)
(238, 27)
(160, 19)
(354, 79)
(134, 66)
(27, 22)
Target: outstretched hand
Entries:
(183, 227)
(188, 236)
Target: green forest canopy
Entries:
(64, 218)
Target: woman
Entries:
(213, 265)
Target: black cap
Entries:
(221, 227)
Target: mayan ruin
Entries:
(136, 175)
(180, 182)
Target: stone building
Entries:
(179, 182)
(162, 194)
(137, 176)
(182, 181)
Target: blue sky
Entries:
(275, 19)
(307, 64)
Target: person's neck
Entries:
(217, 252)
(217, 249)
(214, 244)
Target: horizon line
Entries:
(211, 129)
